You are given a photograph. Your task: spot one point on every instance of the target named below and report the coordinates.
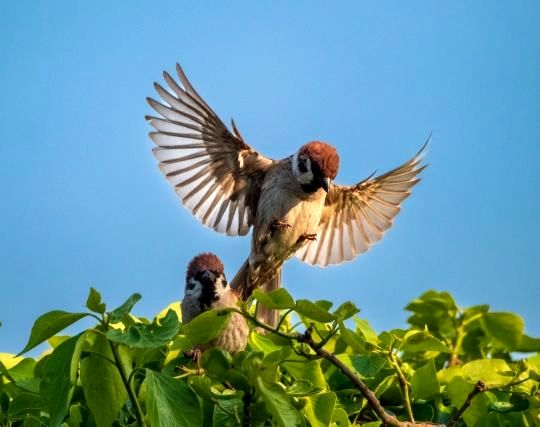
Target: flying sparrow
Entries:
(291, 203)
(207, 288)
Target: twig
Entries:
(307, 338)
(404, 384)
(130, 391)
(479, 387)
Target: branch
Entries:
(479, 387)
(404, 384)
(130, 391)
(306, 338)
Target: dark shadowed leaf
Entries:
(119, 313)
(60, 376)
(313, 311)
(278, 404)
(424, 383)
(207, 325)
(50, 324)
(103, 388)
(25, 403)
(170, 402)
(228, 413)
(141, 335)
(277, 299)
(505, 328)
(93, 302)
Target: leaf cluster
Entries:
(321, 366)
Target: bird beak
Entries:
(209, 275)
(325, 183)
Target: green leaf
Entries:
(301, 369)
(278, 404)
(319, 409)
(424, 383)
(119, 313)
(278, 299)
(207, 325)
(505, 328)
(102, 385)
(529, 344)
(141, 335)
(367, 366)
(170, 402)
(48, 325)
(313, 311)
(340, 418)
(31, 421)
(22, 374)
(228, 413)
(60, 376)
(489, 371)
(301, 388)
(93, 302)
(25, 403)
(352, 339)
(346, 310)
(423, 341)
(363, 327)
(458, 389)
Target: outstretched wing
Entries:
(214, 172)
(355, 217)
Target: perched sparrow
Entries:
(291, 203)
(207, 288)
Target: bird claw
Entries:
(195, 355)
(279, 225)
(311, 237)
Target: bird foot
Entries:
(195, 355)
(278, 225)
(306, 236)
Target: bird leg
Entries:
(195, 355)
(278, 225)
(307, 236)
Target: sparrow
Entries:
(207, 288)
(292, 204)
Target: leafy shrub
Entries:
(451, 367)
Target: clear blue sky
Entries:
(83, 203)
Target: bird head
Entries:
(315, 165)
(205, 280)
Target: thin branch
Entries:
(127, 385)
(479, 387)
(283, 318)
(404, 384)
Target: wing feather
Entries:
(213, 171)
(355, 217)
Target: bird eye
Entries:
(190, 286)
(302, 166)
(224, 283)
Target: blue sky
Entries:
(83, 203)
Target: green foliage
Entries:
(129, 371)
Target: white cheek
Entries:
(302, 177)
(220, 290)
(196, 291)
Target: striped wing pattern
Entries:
(355, 217)
(213, 171)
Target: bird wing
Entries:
(354, 217)
(213, 171)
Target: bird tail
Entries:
(242, 283)
(265, 314)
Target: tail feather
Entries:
(268, 315)
(242, 284)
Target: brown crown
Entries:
(202, 262)
(324, 155)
